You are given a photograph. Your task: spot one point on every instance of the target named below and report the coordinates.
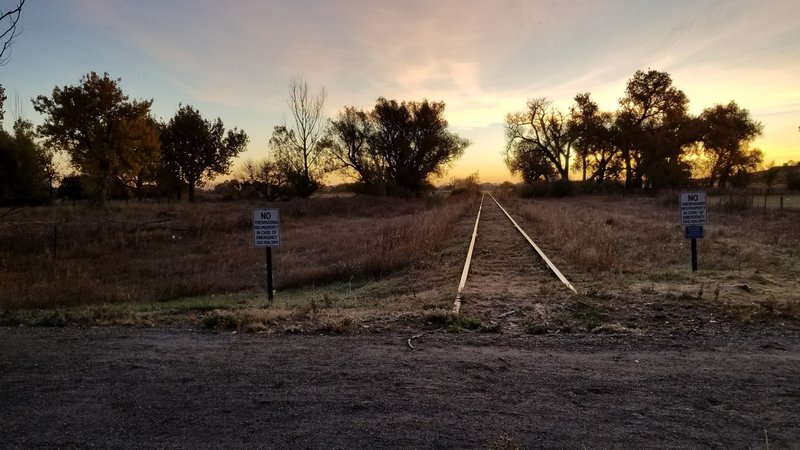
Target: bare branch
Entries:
(11, 31)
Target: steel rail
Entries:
(463, 282)
(547, 261)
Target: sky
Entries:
(234, 59)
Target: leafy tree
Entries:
(594, 137)
(23, 175)
(146, 156)
(529, 163)
(771, 173)
(727, 132)
(102, 131)
(538, 142)
(198, 149)
(298, 149)
(654, 127)
(793, 178)
(413, 142)
(71, 188)
(348, 143)
(395, 148)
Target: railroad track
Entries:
(536, 252)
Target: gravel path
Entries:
(179, 388)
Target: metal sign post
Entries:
(694, 214)
(267, 233)
(270, 290)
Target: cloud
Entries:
(484, 59)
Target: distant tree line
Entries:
(393, 149)
(115, 146)
(650, 142)
(119, 150)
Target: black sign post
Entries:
(694, 232)
(270, 294)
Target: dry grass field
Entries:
(365, 264)
(629, 258)
(140, 257)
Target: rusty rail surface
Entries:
(463, 282)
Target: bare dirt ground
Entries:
(180, 388)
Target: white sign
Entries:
(267, 227)
(693, 208)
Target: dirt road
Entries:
(180, 388)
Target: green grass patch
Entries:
(590, 316)
(462, 323)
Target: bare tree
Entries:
(298, 148)
(542, 130)
(10, 31)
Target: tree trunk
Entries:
(104, 183)
(628, 171)
(191, 192)
(103, 196)
(584, 167)
(139, 187)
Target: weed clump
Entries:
(589, 315)
(462, 323)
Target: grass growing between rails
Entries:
(66, 256)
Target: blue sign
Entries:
(694, 231)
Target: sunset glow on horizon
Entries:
(483, 59)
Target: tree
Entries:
(529, 163)
(413, 143)
(10, 30)
(793, 178)
(594, 139)
(770, 176)
(727, 131)
(23, 174)
(542, 130)
(395, 148)
(297, 148)
(7, 35)
(3, 99)
(199, 149)
(265, 178)
(348, 144)
(654, 127)
(101, 130)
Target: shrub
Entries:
(793, 179)
(738, 201)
